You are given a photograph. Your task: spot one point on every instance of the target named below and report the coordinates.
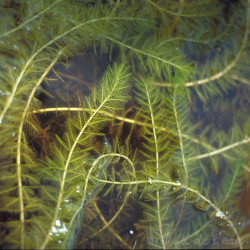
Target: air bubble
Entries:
(63, 229)
(220, 214)
(13, 134)
(131, 232)
(58, 223)
(150, 180)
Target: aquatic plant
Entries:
(153, 153)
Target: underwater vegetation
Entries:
(145, 145)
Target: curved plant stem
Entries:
(29, 20)
(219, 213)
(213, 150)
(180, 136)
(19, 143)
(226, 69)
(221, 150)
(66, 166)
(28, 63)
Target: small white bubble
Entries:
(150, 180)
(63, 229)
(130, 192)
(16, 46)
(174, 188)
(0, 121)
(13, 134)
(178, 183)
(66, 200)
(54, 230)
(220, 214)
(14, 67)
(59, 241)
(58, 223)
(131, 232)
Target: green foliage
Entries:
(177, 84)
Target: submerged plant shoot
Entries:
(124, 124)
